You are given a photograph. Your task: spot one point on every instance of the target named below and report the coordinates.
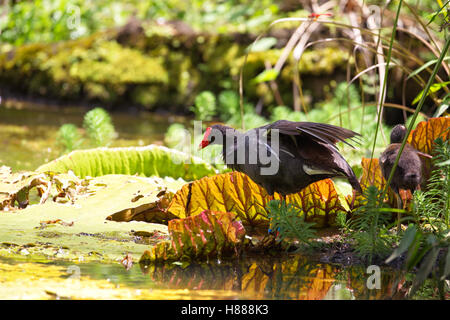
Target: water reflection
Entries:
(292, 278)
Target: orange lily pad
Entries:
(236, 192)
(209, 234)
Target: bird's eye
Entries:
(212, 138)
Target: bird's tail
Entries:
(354, 182)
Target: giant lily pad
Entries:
(209, 234)
(78, 229)
(236, 192)
(152, 160)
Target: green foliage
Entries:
(428, 239)
(175, 135)
(228, 106)
(286, 113)
(285, 219)
(423, 251)
(205, 106)
(345, 110)
(431, 208)
(251, 120)
(434, 88)
(56, 20)
(369, 226)
(68, 137)
(147, 161)
(99, 127)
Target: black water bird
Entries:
(306, 152)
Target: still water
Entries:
(28, 131)
(287, 278)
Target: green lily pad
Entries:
(79, 229)
(152, 160)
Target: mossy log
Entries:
(155, 65)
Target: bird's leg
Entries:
(399, 206)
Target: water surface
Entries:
(28, 131)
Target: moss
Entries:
(160, 66)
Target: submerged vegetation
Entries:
(243, 63)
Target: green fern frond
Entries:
(431, 208)
(286, 219)
(368, 226)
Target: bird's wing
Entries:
(326, 133)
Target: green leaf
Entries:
(266, 75)
(434, 88)
(99, 127)
(434, 15)
(423, 67)
(442, 164)
(147, 161)
(413, 253)
(442, 108)
(406, 241)
(425, 269)
(263, 44)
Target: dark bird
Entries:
(408, 173)
(284, 156)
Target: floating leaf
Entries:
(85, 229)
(236, 192)
(15, 188)
(319, 202)
(147, 161)
(209, 234)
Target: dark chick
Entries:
(306, 153)
(408, 173)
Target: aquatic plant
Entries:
(68, 137)
(228, 106)
(204, 106)
(99, 127)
